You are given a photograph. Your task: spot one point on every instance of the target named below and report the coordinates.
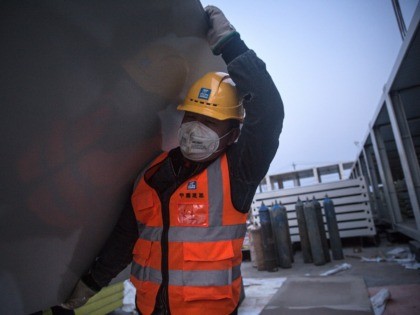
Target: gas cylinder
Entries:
(257, 254)
(280, 226)
(313, 233)
(333, 232)
(322, 231)
(267, 239)
(303, 232)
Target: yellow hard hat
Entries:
(214, 95)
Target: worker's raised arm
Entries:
(250, 157)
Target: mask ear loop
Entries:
(219, 150)
(226, 134)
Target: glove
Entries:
(220, 32)
(80, 295)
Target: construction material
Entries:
(415, 249)
(336, 269)
(379, 301)
(129, 300)
(104, 302)
(89, 92)
(342, 295)
(351, 205)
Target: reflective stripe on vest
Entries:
(188, 278)
(192, 234)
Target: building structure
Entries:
(305, 177)
(389, 154)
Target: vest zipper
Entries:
(165, 197)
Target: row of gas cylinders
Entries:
(271, 245)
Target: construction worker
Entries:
(185, 234)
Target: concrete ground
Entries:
(261, 287)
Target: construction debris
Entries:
(337, 268)
(400, 255)
(379, 301)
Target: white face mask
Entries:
(197, 141)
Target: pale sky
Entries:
(330, 61)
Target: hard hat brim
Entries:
(206, 111)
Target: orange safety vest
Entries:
(205, 239)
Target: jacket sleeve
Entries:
(250, 157)
(117, 252)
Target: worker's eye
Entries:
(189, 118)
(210, 122)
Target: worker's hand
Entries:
(80, 295)
(220, 32)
